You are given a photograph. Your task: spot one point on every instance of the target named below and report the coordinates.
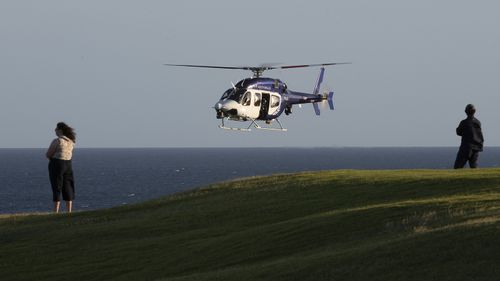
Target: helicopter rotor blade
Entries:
(261, 67)
(209, 66)
(308, 65)
(257, 70)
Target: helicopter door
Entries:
(264, 105)
(251, 104)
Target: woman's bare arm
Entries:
(52, 149)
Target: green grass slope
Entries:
(332, 225)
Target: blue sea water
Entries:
(113, 177)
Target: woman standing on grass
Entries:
(60, 153)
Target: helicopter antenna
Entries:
(257, 70)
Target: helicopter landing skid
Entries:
(256, 125)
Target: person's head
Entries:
(470, 109)
(62, 129)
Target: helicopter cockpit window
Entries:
(258, 98)
(246, 99)
(227, 94)
(275, 101)
(236, 94)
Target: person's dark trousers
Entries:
(464, 155)
(61, 179)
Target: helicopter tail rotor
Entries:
(331, 102)
(320, 80)
(327, 98)
(316, 89)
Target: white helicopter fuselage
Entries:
(254, 104)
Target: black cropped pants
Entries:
(61, 180)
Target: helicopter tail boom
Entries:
(329, 98)
(315, 98)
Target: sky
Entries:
(98, 66)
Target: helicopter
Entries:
(262, 100)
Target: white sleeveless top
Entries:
(64, 149)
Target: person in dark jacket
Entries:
(472, 139)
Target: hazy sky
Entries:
(98, 65)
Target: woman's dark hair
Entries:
(67, 131)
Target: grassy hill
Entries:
(332, 225)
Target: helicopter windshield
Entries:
(227, 93)
(235, 94)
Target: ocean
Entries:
(108, 177)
